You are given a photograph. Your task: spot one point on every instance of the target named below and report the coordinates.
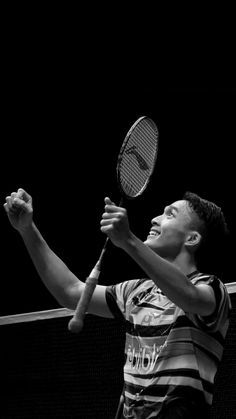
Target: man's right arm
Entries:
(54, 273)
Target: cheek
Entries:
(173, 234)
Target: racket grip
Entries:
(76, 324)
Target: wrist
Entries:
(129, 242)
(27, 229)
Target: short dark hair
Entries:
(212, 224)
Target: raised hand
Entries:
(19, 209)
(115, 223)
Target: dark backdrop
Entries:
(60, 144)
(64, 115)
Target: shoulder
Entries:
(124, 289)
(119, 295)
(212, 280)
(221, 314)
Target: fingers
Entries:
(9, 205)
(22, 194)
(112, 215)
(115, 224)
(6, 207)
(109, 225)
(109, 221)
(12, 204)
(17, 201)
(112, 211)
(109, 203)
(111, 206)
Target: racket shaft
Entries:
(77, 322)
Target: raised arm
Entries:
(54, 273)
(169, 278)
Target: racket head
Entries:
(137, 157)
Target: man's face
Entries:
(170, 230)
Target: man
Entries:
(176, 319)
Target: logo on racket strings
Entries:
(140, 160)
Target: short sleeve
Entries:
(219, 318)
(117, 296)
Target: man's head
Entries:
(188, 225)
(211, 225)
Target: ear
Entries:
(193, 239)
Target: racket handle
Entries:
(77, 322)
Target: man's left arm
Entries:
(174, 284)
(199, 299)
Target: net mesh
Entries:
(137, 158)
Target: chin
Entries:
(156, 247)
(152, 244)
(148, 242)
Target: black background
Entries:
(69, 96)
(61, 143)
(73, 82)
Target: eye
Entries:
(169, 212)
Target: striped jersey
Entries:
(169, 353)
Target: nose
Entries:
(156, 220)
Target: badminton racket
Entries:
(135, 165)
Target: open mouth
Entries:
(153, 233)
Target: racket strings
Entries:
(138, 157)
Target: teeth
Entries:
(153, 233)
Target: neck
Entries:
(184, 263)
